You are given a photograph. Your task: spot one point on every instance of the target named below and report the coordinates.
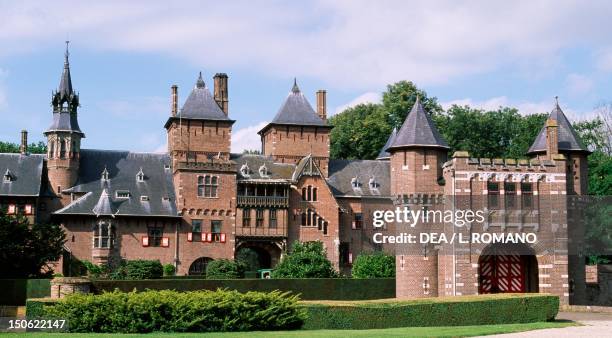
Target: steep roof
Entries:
(25, 174)
(568, 139)
(153, 196)
(296, 110)
(274, 171)
(418, 130)
(64, 121)
(353, 178)
(384, 154)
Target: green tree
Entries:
(224, 269)
(306, 260)
(359, 132)
(249, 258)
(33, 148)
(398, 99)
(27, 249)
(374, 265)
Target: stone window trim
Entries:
(103, 235)
(155, 236)
(309, 194)
(208, 186)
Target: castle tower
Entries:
(297, 131)
(64, 135)
(417, 153)
(384, 155)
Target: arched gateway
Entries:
(507, 268)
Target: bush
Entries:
(249, 258)
(169, 270)
(224, 269)
(306, 260)
(92, 269)
(138, 269)
(172, 311)
(375, 265)
(455, 311)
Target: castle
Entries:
(199, 202)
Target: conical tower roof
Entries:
(568, 139)
(418, 130)
(104, 207)
(384, 154)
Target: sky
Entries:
(124, 56)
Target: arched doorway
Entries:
(507, 268)
(268, 253)
(198, 267)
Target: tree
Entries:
(374, 265)
(398, 99)
(359, 132)
(33, 148)
(306, 260)
(26, 250)
(224, 269)
(249, 258)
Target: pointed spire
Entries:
(65, 86)
(200, 83)
(104, 207)
(295, 88)
(418, 130)
(384, 154)
(66, 55)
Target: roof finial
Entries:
(200, 83)
(66, 54)
(557, 100)
(295, 88)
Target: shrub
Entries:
(92, 269)
(224, 269)
(138, 269)
(375, 265)
(169, 270)
(455, 311)
(306, 260)
(249, 258)
(172, 311)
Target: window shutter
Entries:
(145, 241)
(350, 258)
(209, 237)
(28, 209)
(165, 242)
(222, 238)
(189, 237)
(204, 236)
(11, 209)
(353, 225)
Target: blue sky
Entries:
(126, 55)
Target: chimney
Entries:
(174, 100)
(322, 104)
(221, 92)
(23, 148)
(552, 138)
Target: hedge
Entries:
(16, 291)
(455, 311)
(308, 289)
(172, 311)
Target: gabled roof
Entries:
(568, 139)
(343, 172)
(26, 174)
(306, 166)
(123, 167)
(384, 154)
(296, 110)
(200, 105)
(418, 130)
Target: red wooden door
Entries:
(502, 274)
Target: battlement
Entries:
(462, 161)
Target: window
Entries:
(51, 149)
(196, 230)
(527, 195)
(246, 217)
(344, 253)
(273, 221)
(314, 194)
(304, 197)
(215, 229)
(8, 176)
(62, 149)
(244, 170)
(104, 174)
(155, 234)
(103, 235)
(303, 223)
(510, 195)
(493, 195)
(355, 183)
(358, 221)
(263, 171)
(309, 218)
(140, 177)
(122, 194)
(374, 184)
(207, 186)
(309, 194)
(144, 198)
(259, 218)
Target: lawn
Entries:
(448, 331)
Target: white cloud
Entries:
(348, 44)
(369, 97)
(578, 84)
(247, 138)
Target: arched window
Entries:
(51, 149)
(314, 194)
(304, 194)
(62, 149)
(303, 218)
(309, 218)
(309, 198)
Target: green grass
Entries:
(447, 331)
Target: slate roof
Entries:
(384, 154)
(123, 168)
(276, 171)
(568, 139)
(64, 121)
(342, 173)
(418, 130)
(296, 110)
(26, 174)
(65, 86)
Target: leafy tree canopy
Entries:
(375, 265)
(33, 148)
(306, 260)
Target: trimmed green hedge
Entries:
(455, 311)
(172, 311)
(308, 289)
(16, 291)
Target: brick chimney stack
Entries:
(174, 100)
(23, 148)
(322, 104)
(552, 138)
(221, 95)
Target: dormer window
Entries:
(104, 175)
(140, 177)
(144, 198)
(355, 183)
(373, 183)
(244, 170)
(8, 177)
(122, 194)
(263, 171)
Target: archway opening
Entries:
(507, 268)
(198, 267)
